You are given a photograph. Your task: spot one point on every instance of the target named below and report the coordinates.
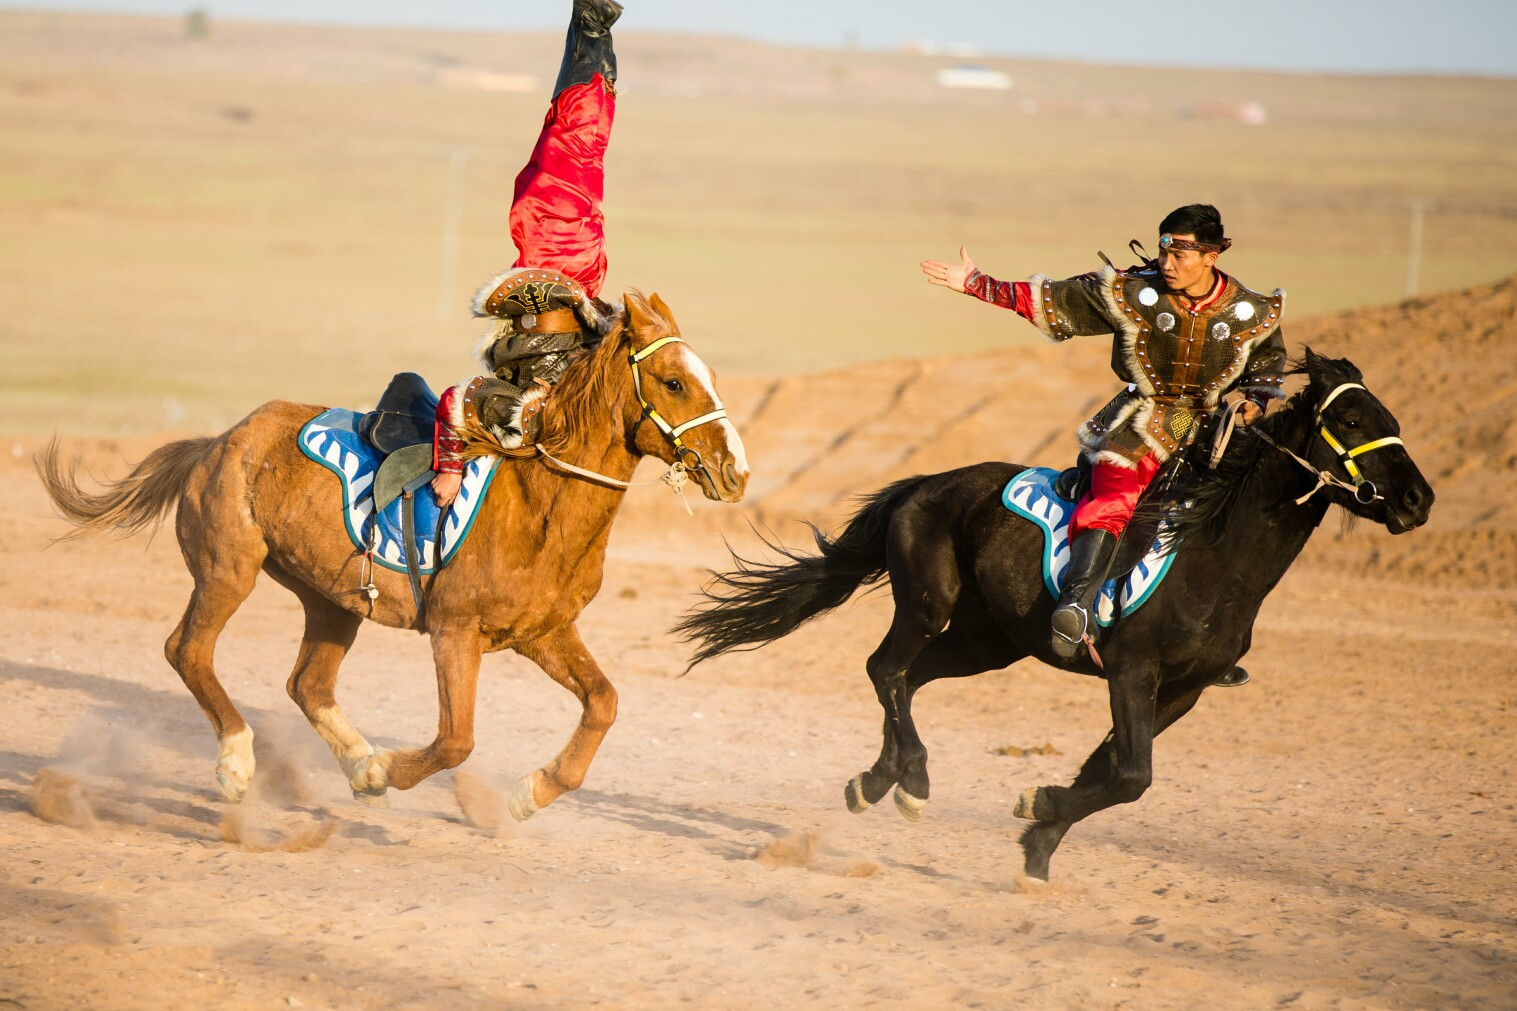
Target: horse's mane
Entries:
(582, 398)
(1198, 498)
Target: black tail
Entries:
(760, 602)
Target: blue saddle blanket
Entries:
(332, 440)
(1031, 495)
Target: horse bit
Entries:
(689, 458)
(1364, 490)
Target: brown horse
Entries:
(249, 499)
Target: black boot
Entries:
(1090, 557)
(587, 48)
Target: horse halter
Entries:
(689, 458)
(1364, 490)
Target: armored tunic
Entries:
(1177, 359)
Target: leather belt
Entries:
(552, 321)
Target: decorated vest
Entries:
(1177, 362)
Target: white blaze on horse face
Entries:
(700, 374)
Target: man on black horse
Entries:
(546, 305)
(1186, 334)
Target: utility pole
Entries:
(452, 221)
(1414, 247)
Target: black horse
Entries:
(969, 596)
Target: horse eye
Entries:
(673, 385)
(1351, 422)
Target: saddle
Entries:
(402, 427)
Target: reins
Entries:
(1345, 456)
(689, 458)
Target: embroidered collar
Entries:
(1210, 299)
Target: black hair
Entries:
(1201, 220)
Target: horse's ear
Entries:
(1325, 371)
(662, 308)
(639, 314)
(1311, 363)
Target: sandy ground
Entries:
(1336, 834)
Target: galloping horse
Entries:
(249, 499)
(965, 574)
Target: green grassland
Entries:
(189, 229)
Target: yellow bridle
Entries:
(689, 457)
(1345, 455)
(1364, 490)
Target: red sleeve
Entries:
(447, 447)
(1013, 295)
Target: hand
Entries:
(445, 486)
(950, 275)
(1248, 412)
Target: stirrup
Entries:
(1235, 678)
(1066, 641)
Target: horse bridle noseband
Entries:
(688, 458)
(1363, 489)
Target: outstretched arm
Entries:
(964, 276)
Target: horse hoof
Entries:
(378, 797)
(909, 806)
(234, 764)
(521, 803)
(853, 794)
(234, 786)
(369, 776)
(1026, 803)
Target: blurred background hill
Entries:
(196, 225)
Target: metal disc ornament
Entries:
(1165, 321)
(1148, 296)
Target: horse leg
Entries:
(966, 648)
(1041, 839)
(223, 579)
(924, 583)
(456, 651)
(564, 658)
(869, 787)
(329, 634)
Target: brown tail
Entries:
(136, 501)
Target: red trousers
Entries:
(556, 219)
(1113, 495)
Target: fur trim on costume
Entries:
(483, 295)
(1091, 440)
(514, 433)
(1245, 351)
(1039, 318)
(1140, 419)
(455, 418)
(595, 321)
(486, 343)
(1115, 459)
(1127, 330)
